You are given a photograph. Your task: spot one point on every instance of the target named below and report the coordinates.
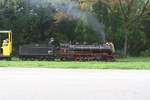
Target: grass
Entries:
(125, 63)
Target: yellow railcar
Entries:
(5, 44)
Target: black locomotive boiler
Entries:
(86, 52)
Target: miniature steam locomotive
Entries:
(67, 52)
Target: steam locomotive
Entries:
(74, 52)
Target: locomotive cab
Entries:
(5, 44)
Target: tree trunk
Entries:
(126, 31)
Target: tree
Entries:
(132, 11)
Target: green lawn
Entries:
(125, 63)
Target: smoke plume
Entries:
(72, 8)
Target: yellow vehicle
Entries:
(5, 44)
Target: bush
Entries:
(119, 54)
(146, 53)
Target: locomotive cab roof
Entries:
(5, 31)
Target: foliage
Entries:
(146, 53)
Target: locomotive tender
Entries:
(68, 52)
(36, 51)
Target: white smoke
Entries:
(72, 8)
